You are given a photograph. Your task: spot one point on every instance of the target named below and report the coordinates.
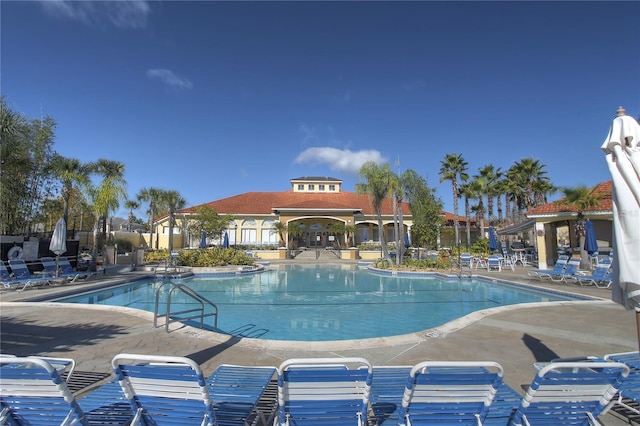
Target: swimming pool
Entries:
(328, 302)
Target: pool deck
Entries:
(516, 337)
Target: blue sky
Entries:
(215, 99)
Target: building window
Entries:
(332, 187)
(320, 187)
(312, 187)
(300, 187)
(249, 222)
(249, 236)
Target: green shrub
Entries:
(216, 256)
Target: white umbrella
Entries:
(622, 147)
(58, 243)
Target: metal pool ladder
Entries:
(171, 317)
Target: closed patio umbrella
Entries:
(203, 240)
(493, 242)
(622, 149)
(58, 244)
(590, 241)
(225, 240)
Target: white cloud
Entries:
(122, 14)
(169, 78)
(340, 160)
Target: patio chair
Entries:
(67, 270)
(387, 391)
(465, 260)
(570, 393)
(54, 269)
(558, 267)
(164, 390)
(449, 392)
(22, 275)
(570, 270)
(323, 391)
(34, 393)
(494, 263)
(7, 280)
(235, 392)
(600, 277)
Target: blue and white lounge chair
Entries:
(33, 392)
(8, 281)
(164, 390)
(21, 275)
(570, 270)
(629, 393)
(558, 267)
(494, 263)
(570, 393)
(465, 260)
(323, 391)
(600, 277)
(235, 392)
(387, 391)
(449, 392)
(64, 268)
(67, 270)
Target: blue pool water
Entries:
(322, 303)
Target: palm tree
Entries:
(377, 186)
(70, 171)
(477, 191)
(454, 168)
(106, 197)
(466, 192)
(294, 230)
(491, 177)
(338, 229)
(173, 202)
(131, 205)
(281, 229)
(152, 196)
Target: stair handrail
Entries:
(192, 294)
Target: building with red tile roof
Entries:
(556, 226)
(313, 201)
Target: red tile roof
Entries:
(554, 207)
(263, 203)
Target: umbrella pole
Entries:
(57, 265)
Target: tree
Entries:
(152, 196)
(425, 210)
(454, 168)
(337, 229)
(173, 201)
(131, 205)
(106, 196)
(491, 176)
(466, 192)
(377, 186)
(209, 221)
(26, 179)
(294, 230)
(71, 172)
(281, 229)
